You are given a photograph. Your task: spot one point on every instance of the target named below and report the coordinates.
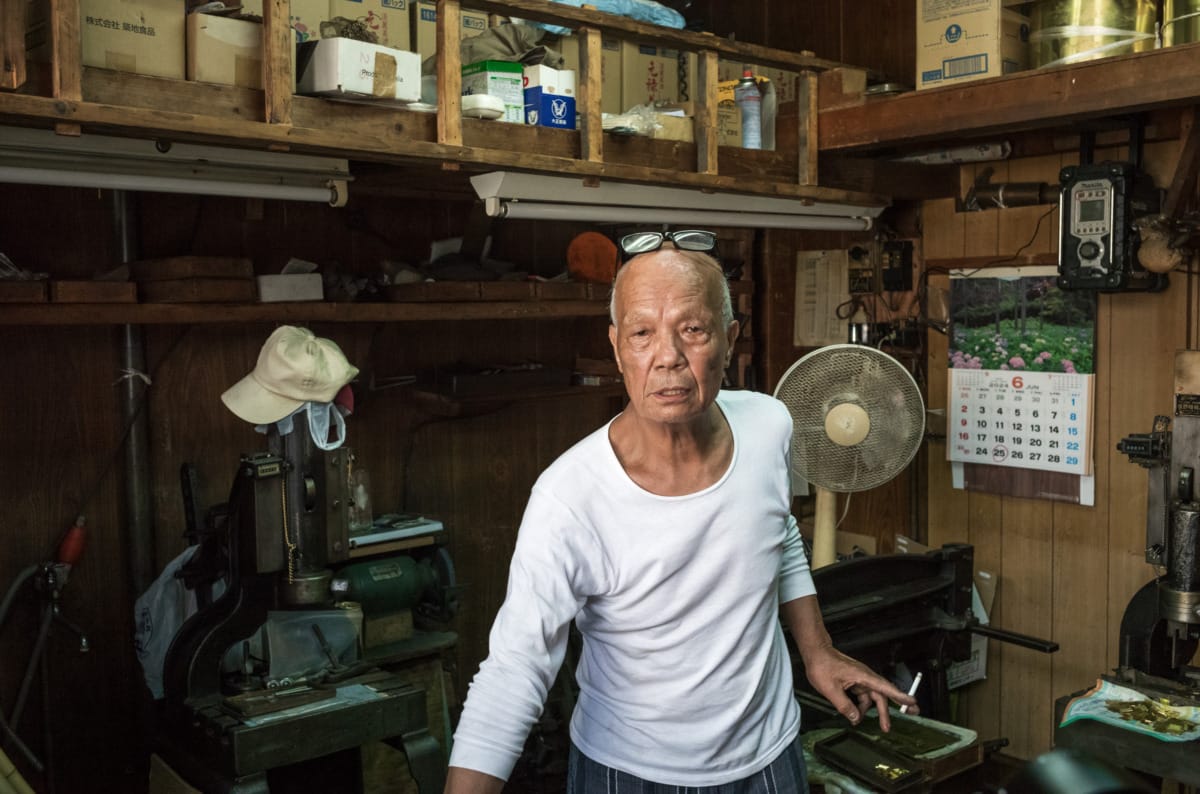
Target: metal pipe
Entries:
(134, 412)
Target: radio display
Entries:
(1092, 210)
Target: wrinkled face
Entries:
(669, 340)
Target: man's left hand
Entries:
(837, 677)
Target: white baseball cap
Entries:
(294, 367)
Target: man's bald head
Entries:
(700, 264)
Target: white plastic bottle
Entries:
(749, 102)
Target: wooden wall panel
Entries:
(1065, 571)
(60, 443)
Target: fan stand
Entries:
(846, 424)
(824, 529)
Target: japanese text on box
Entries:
(1032, 420)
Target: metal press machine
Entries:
(1160, 629)
(275, 545)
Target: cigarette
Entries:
(912, 690)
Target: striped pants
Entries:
(785, 775)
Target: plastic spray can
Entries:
(749, 102)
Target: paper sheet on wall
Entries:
(822, 286)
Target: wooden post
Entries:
(12, 42)
(449, 72)
(1184, 178)
(705, 119)
(66, 58)
(279, 55)
(591, 90)
(806, 99)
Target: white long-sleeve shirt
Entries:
(684, 677)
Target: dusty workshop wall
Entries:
(1066, 572)
(60, 444)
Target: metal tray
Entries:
(865, 760)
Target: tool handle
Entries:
(71, 547)
(1024, 640)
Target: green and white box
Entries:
(502, 79)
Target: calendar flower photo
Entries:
(1012, 320)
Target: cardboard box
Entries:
(305, 18)
(424, 26)
(649, 75)
(389, 20)
(968, 40)
(349, 68)
(501, 79)
(142, 36)
(610, 69)
(224, 50)
(549, 97)
(285, 287)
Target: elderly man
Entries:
(667, 537)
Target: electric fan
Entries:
(858, 419)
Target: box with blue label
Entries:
(501, 79)
(963, 40)
(549, 97)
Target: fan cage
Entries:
(870, 379)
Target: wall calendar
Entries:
(1033, 420)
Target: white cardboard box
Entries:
(349, 68)
(549, 97)
(963, 40)
(501, 79)
(224, 50)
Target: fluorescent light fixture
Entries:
(41, 157)
(508, 194)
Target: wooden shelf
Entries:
(77, 99)
(206, 313)
(442, 404)
(1035, 99)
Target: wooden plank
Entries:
(207, 313)
(945, 506)
(806, 155)
(705, 118)
(147, 122)
(591, 134)
(66, 57)
(1044, 97)
(449, 71)
(12, 42)
(1026, 587)
(1184, 179)
(901, 181)
(279, 52)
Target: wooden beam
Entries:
(806, 154)
(449, 72)
(1039, 98)
(591, 87)
(12, 42)
(333, 141)
(279, 55)
(1184, 180)
(189, 313)
(901, 181)
(66, 57)
(705, 113)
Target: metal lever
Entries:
(1024, 640)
